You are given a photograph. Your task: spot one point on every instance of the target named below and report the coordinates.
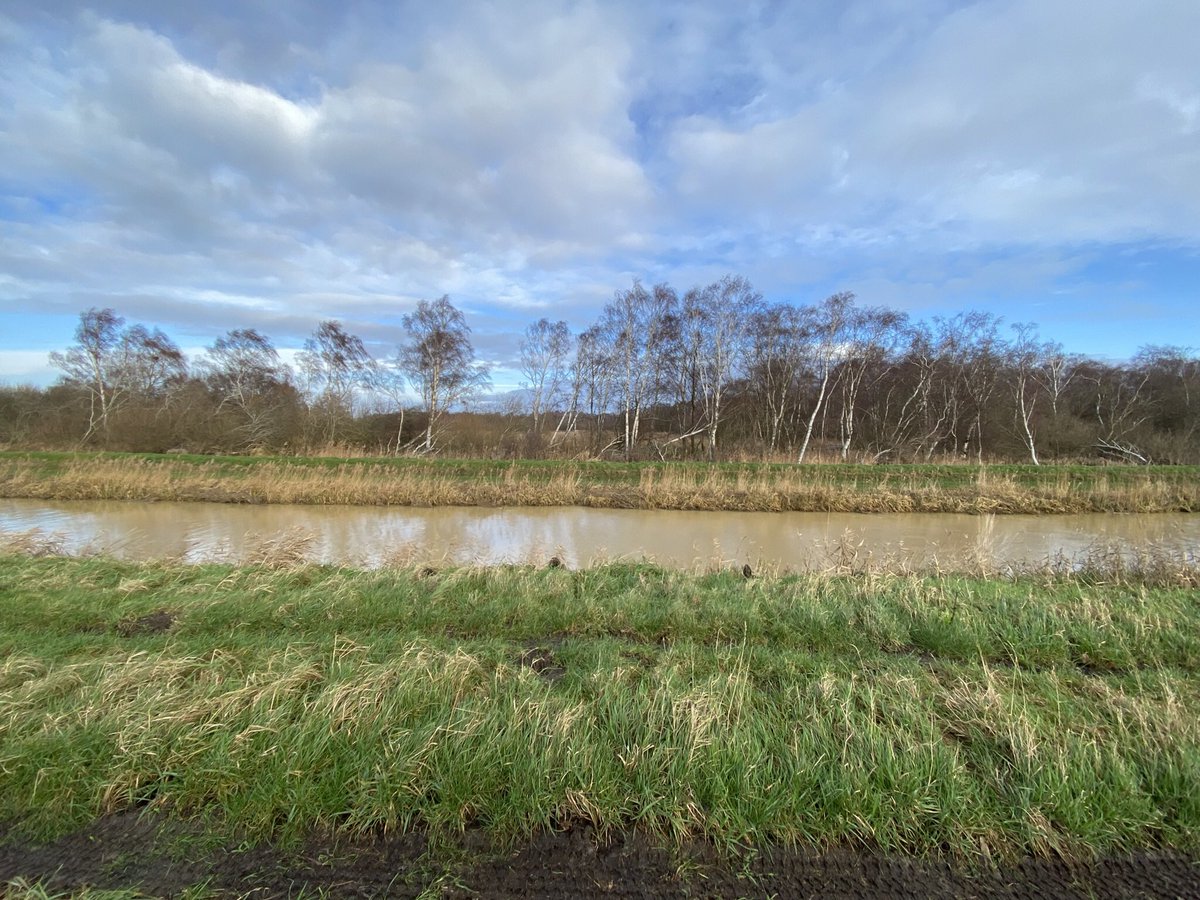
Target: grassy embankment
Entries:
(904, 714)
(731, 486)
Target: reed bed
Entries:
(1047, 713)
(741, 487)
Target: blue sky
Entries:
(218, 165)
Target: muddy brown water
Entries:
(580, 536)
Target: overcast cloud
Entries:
(269, 166)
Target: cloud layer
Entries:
(271, 168)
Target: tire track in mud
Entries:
(165, 857)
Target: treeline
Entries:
(713, 373)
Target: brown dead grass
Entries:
(684, 488)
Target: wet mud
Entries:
(168, 858)
(154, 623)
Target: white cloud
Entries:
(196, 116)
(496, 143)
(504, 133)
(1007, 123)
(270, 167)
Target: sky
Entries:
(270, 164)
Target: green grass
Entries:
(21, 889)
(912, 715)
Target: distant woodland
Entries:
(714, 373)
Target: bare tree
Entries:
(152, 364)
(1121, 408)
(544, 349)
(774, 364)
(684, 357)
(241, 363)
(725, 311)
(90, 363)
(971, 356)
(439, 360)
(634, 326)
(1057, 371)
(1039, 371)
(115, 364)
(870, 339)
(983, 365)
(1027, 357)
(334, 363)
(390, 381)
(903, 415)
(250, 382)
(1173, 379)
(820, 335)
(591, 382)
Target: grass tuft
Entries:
(21, 889)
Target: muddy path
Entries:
(167, 859)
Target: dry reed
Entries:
(683, 488)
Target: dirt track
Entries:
(125, 852)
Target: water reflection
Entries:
(375, 535)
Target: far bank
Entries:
(996, 489)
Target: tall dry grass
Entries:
(808, 489)
(33, 542)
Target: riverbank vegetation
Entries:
(696, 486)
(714, 373)
(978, 718)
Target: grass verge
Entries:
(927, 715)
(733, 486)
